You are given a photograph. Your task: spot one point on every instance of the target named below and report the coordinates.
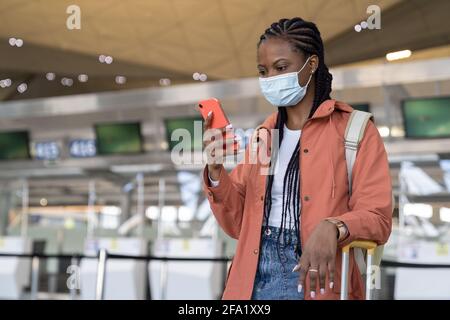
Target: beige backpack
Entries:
(354, 133)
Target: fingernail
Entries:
(209, 113)
(299, 288)
(229, 126)
(295, 268)
(331, 285)
(313, 294)
(322, 291)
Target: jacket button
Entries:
(306, 198)
(305, 150)
(255, 251)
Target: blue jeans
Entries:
(274, 277)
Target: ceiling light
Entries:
(164, 82)
(43, 202)
(196, 76)
(83, 78)
(5, 83)
(203, 77)
(169, 213)
(50, 76)
(109, 59)
(12, 42)
(392, 56)
(121, 79)
(152, 212)
(136, 168)
(19, 43)
(101, 58)
(22, 88)
(185, 213)
(397, 131)
(66, 82)
(111, 210)
(164, 145)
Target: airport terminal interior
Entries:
(92, 94)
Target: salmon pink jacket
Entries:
(238, 201)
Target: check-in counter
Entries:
(14, 271)
(124, 279)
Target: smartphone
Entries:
(219, 119)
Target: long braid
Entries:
(304, 37)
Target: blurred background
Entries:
(91, 92)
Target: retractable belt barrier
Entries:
(103, 256)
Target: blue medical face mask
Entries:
(284, 90)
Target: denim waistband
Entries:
(272, 233)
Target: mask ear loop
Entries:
(303, 65)
(310, 76)
(309, 80)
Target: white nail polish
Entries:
(229, 126)
(331, 285)
(313, 294)
(322, 291)
(209, 113)
(299, 288)
(295, 268)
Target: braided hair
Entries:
(304, 37)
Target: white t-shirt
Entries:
(290, 140)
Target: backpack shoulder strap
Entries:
(354, 133)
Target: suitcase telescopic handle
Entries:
(370, 246)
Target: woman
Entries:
(291, 223)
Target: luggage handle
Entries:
(370, 246)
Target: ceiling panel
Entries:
(150, 40)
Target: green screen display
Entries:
(14, 145)
(118, 138)
(187, 131)
(427, 118)
(361, 107)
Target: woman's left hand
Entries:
(318, 258)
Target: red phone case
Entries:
(219, 119)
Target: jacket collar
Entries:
(325, 109)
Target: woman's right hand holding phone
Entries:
(216, 147)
